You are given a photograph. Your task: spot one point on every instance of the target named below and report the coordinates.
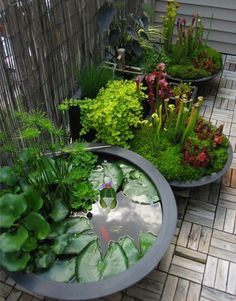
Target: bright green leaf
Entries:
(76, 225)
(77, 244)
(61, 271)
(11, 208)
(13, 242)
(30, 244)
(36, 222)
(146, 241)
(115, 261)
(34, 201)
(130, 249)
(13, 262)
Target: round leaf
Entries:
(13, 242)
(87, 268)
(36, 222)
(76, 225)
(59, 212)
(14, 262)
(11, 208)
(61, 271)
(30, 244)
(114, 262)
(77, 244)
(113, 173)
(60, 243)
(146, 241)
(130, 249)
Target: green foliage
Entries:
(181, 89)
(114, 113)
(187, 71)
(92, 78)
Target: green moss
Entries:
(186, 71)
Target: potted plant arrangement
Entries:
(59, 231)
(189, 58)
(187, 150)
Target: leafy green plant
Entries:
(114, 113)
(189, 57)
(92, 78)
(124, 32)
(181, 144)
(182, 89)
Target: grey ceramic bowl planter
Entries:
(85, 291)
(207, 179)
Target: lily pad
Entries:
(59, 212)
(36, 222)
(14, 262)
(30, 244)
(146, 241)
(87, 268)
(113, 173)
(56, 229)
(61, 271)
(76, 225)
(13, 242)
(11, 208)
(114, 262)
(77, 244)
(130, 249)
(140, 189)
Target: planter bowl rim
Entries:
(101, 288)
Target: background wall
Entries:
(223, 34)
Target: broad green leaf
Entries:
(76, 225)
(8, 176)
(13, 242)
(61, 271)
(130, 249)
(126, 168)
(34, 201)
(146, 241)
(59, 212)
(60, 244)
(96, 177)
(36, 222)
(56, 229)
(44, 258)
(30, 244)
(115, 261)
(77, 244)
(87, 267)
(140, 189)
(14, 262)
(11, 208)
(113, 173)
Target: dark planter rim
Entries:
(207, 179)
(194, 80)
(86, 291)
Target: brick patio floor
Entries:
(200, 264)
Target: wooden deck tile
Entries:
(14, 295)
(226, 180)
(231, 285)
(190, 254)
(210, 271)
(165, 263)
(181, 290)
(233, 179)
(170, 287)
(221, 275)
(215, 295)
(184, 234)
(194, 292)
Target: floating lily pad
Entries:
(77, 244)
(13, 242)
(11, 208)
(76, 225)
(114, 262)
(87, 268)
(146, 241)
(130, 249)
(61, 270)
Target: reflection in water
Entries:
(128, 218)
